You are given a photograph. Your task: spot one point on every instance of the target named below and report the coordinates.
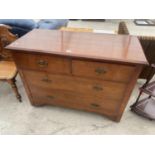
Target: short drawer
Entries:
(105, 71)
(95, 88)
(54, 64)
(74, 100)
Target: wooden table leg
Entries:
(12, 82)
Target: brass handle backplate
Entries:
(95, 105)
(100, 70)
(97, 88)
(42, 63)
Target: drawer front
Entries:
(105, 71)
(74, 100)
(95, 88)
(40, 62)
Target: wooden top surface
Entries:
(110, 47)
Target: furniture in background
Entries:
(122, 28)
(148, 44)
(146, 36)
(74, 69)
(74, 29)
(94, 20)
(22, 26)
(8, 70)
(146, 106)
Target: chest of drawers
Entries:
(86, 71)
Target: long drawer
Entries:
(74, 100)
(104, 71)
(53, 64)
(95, 88)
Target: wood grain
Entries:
(92, 72)
(74, 100)
(103, 71)
(120, 48)
(41, 62)
(96, 88)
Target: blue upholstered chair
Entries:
(22, 26)
(52, 23)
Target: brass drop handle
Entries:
(42, 63)
(95, 105)
(97, 88)
(50, 97)
(100, 71)
(46, 80)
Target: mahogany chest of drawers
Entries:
(86, 71)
